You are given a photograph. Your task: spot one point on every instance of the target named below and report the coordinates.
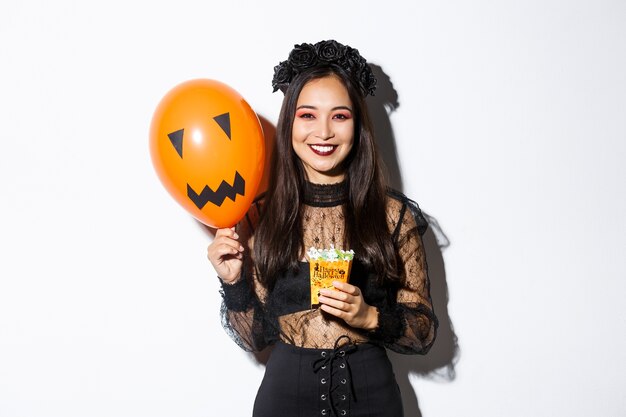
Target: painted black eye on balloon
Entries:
(224, 121)
(177, 141)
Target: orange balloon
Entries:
(208, 150)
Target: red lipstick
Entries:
(323, 150)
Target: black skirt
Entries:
(349, 381)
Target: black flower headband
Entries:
(330, 52)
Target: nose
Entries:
(324, 130)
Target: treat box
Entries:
(323, 273)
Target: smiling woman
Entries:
(326, 190)
(323, 129)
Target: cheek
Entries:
(298, 132)
(299, 148)
(347, 133)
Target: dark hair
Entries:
(278, 239)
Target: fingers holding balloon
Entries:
(224, 245)
(228, 236)
(227, 265)
(226, 250)
(226, 254)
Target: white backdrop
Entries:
(510, 131)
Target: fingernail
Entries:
(236, 236)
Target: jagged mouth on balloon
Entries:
(217, 197)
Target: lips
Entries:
(323, 150)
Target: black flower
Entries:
(303, 56)
(354, 60)
(367, 80)
(282, 75)
(330, 51)
(306, 55)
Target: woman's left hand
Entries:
(347, 303)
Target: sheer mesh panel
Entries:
(407, 324)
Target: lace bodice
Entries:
(255, 316)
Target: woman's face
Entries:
(323, 129)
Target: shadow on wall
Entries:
(440, 362)
(380, 107)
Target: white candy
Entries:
(331, 254)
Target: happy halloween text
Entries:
(327, 273)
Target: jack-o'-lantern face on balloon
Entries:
(208, 149)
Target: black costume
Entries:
(320, 365)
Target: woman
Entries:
(326, 188)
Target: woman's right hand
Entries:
(226, 255)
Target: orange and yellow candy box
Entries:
(326, 266)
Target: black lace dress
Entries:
(320, 365)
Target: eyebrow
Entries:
(306, 106)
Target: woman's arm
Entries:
(407, 323)
(243, 297)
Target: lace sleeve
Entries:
(407, 324)
(242, 311)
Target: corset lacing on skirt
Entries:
(334, 370)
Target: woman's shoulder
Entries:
(403, 210)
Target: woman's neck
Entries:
(325, 195)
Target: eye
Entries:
(176, 138)
(342, 116)
(223, 120)
(305, 115)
